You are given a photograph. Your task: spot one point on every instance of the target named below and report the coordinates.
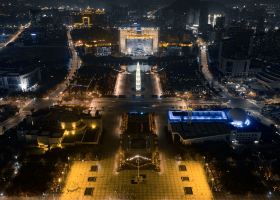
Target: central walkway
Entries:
(126, 82)
(170, 183)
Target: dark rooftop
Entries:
(200, 129)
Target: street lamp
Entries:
(212, 183)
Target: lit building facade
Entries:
(99, 49)
(212, 18)
(232, 125)
(139, 41)
(19, 81)
(69, 127)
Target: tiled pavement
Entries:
(111, 185)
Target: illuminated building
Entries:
(174, 48)
(99, 48)
(212, 19)
(139, 41)
(86, 17)
(138, 142)
(59, 127)
(19, 80)
(232, 125)
(86, 22)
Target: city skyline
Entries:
(140, 100)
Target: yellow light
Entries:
(62, 125)
(73, 132)
(74, 125)
(93, 126)
(66, 133)
(167, 44)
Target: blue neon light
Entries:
(240, 124)
(197, 115)
(207, 116)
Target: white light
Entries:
(240, 124)
(247, 122)
(138, 77)
(234, 141)
(23, 86)
(129, 50)
(137, 157)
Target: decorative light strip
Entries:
(198, 115)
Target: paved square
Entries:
(167, 184)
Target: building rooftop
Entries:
(178, 116)
(138, 123)
(70, 124)
(139, 128)
(200, 129)
(205, 123)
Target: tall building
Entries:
(260, 20)
(219, 29)
(235, 51)
(220, 22)
(203, 18)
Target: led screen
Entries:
(139, 47)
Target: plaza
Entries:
(102, 180)
(168, 184)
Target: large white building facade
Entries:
(19, 81)
(139, 41)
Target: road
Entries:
(16, 35)
(52, 97)
(75, 63)
(247, 104)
